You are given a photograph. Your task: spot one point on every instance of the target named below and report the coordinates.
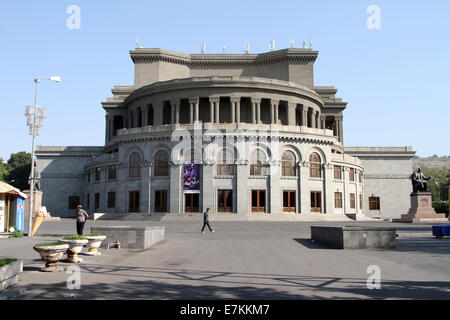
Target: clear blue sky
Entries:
(396, 80)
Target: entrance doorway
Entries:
(191, 202)
(133, 201)
(225, 201)
(316, 199)
(289, 201)
(259, 201)
(161, 201)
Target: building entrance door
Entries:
(289, 201)
(191, 202)
(259, 201)
(225, 201)
(133, 201)
(161, 201)
(316, 197)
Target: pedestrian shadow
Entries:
(310, 244)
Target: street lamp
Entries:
(35, 117)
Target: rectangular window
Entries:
(338, 199)
(374, 203)
(74, 201)
(133, 201)
(96, 201)
(112, 172)
(224, 200)
(89, 176)
(88, 202)
(352, 174)
(97, 173)
(316, 200)
(338, 172)
(225, 169)
(352, 201)
(111, 199)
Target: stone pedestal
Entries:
(421, 210)
(37, 199)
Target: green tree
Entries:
(3, 170)
(19, 167)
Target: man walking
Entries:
(81, 216)
(206, 221)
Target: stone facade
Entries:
(266, 140)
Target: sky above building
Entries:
(388, 59)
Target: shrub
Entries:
(440, 206)
(4, 262)
(16, 234)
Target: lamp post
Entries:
(35, 117)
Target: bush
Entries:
(441, 206)
(4, 262)
(16, 234)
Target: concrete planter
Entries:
(75, 247)
(9, 274)
(93, 244)
(51, 255)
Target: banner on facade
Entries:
(191, 178)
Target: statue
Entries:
(419, 181)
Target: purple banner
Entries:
(191, 178)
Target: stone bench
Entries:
(131, 237)
(358, 237)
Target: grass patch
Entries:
(74, 238)
(94, 235)
(49, 244)
(4, 262)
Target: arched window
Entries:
(314, 169)
(134, 165)
(225, 162)
(257, 168)
(288, 164)
(162, 163)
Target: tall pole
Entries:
(30, 217)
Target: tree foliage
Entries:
(16, 171)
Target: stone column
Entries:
(305, 115)
(158, 115)
(177, 112)
(341, 131)
(207, 192)
(215, 103)
(305, 192)
(216, 111)
(275, 111)
(146, 190)
(275, 188)
(172, 113)
(253, 112)
(211, 110)
(328, 188)
(233, 114)
(144, 117)
(242, 191)
(291, 113)
(192, 102)
(176, 188)
(237, 103)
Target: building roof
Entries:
(9, 189)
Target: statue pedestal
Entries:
(421, 210)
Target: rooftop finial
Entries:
(202, 48)
(310, 42)
(246, 47)
(291, 42)
(224, 48)
(272, 45)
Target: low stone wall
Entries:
(9, 274)
(129, 237)
(355, 237)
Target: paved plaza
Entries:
(241, 260)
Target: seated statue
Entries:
(419, 181)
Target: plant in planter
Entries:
(95, 240)
(76, 244)
(51, 253)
